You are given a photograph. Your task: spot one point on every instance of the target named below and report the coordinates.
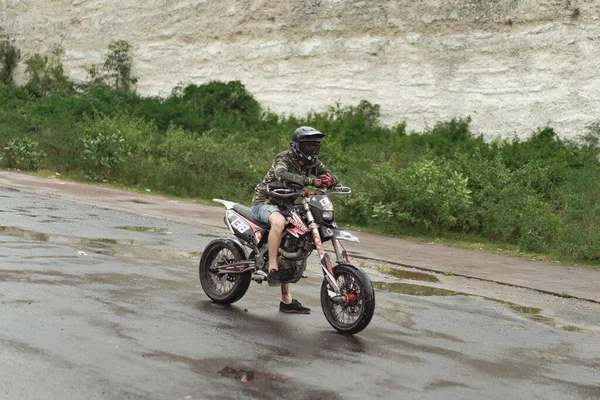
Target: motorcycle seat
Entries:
(247, 213)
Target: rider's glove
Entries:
(322, 181)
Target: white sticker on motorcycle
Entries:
(239, 225)
(326, 203)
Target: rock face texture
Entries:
(512, 65)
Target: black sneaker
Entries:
(273, 278)
(295, 307)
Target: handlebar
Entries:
(339, 189)
(284, 192)
(300, 192)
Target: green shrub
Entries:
(541, 226)
(352, 209)
(544, 147)
(23, 154)
(9, 58)
(521, 216)
(116, 71)
(543, 179)
(428, 193)
(46, 75)
(138, 135)
(104, 151)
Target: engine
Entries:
(293, 254)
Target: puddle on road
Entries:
(247, 376)
(443, 384)
(143, 229)
(531, 313)
(208, 235)
(136, 201)
(414, 290)
(404, 274)
(572, 328)
(125, 248)
(54, 218)
(253, 384)
(207, 366)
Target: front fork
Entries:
(324, 257)
(341, 253)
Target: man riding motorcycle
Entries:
(293, 166)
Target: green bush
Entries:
(428, 193)
(541, 226)
(520, 216)
(544, 147)
(208, 165)
(116, 71)
(9, 58)
(138, 135)
(352, 209)
(46, 75)
(104, 144)
(23, 154)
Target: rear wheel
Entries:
(354, 313)
(222, 288)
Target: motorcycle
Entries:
(228, 265)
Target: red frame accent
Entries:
(321, 252)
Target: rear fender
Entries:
(243, 249)
(231, 241)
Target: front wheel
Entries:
(222, 288)
(355, 312)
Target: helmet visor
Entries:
(310, 147)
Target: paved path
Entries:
(543, 276)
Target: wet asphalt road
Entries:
(100, 304)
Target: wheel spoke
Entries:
(223, 284)
(348, 314)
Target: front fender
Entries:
(334, 233)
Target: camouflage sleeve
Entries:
(281, 169)
(321, 169)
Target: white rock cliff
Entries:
(512, 65)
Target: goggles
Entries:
(310, 147)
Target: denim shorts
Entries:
(261, 212)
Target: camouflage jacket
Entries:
(285, 168)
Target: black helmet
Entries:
(306, 143)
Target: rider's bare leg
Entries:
(277, 222)
(286, 295)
